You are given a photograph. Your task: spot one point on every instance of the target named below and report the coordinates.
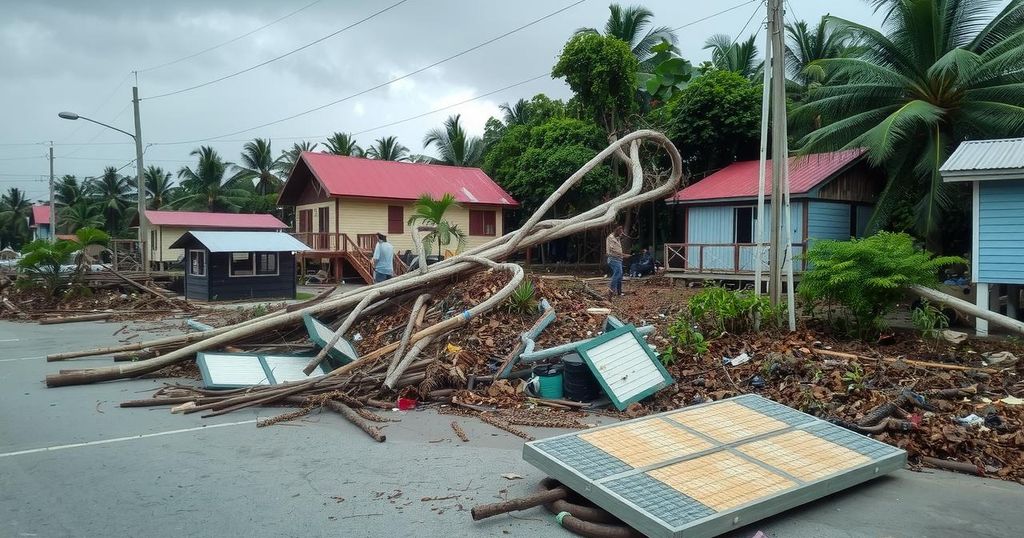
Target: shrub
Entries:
(867, 276)
(683, 336)
(523, 300)
(44, 263)
(724, 310)
(930, 320)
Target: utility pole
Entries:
(777, 254)
(141, 182)
(53, 206)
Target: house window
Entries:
(152, 240)
(323, 219)
(744, 230)
(241, 264)
(197, 262)
(305, 220)
(396, 219)
(266, 263)
(482, 222)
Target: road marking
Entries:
(24, 359)
(120, 439)
(10, 340)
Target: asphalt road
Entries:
(74, 464)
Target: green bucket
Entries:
(549, 381)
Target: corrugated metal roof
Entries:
(40, 215)
(1001, 154)
(739, 180)
(202, 219)
(243, 241)
(371, 178)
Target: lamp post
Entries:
(141, 182)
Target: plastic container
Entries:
(406, 404)
(549, 380)
(578, 382)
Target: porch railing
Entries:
(359, 251)
(736, 258)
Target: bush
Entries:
(930, 320)
(868, 276)
(44, 263)
(683, 336)
(522, 300)
(723, 310)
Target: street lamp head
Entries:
(68, 115)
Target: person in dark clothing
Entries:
(642, 265)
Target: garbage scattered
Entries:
(971, 420)
(1000, 358)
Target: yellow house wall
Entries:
(166, 236)
(371, 216)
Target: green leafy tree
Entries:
(430, 211)
(388, 149)
(160, 187)
(204, 187)
(454, 145)
(940, 71)
(734, 55)
(69, 191)
(805, 46)
(286, 161)
(602, 73)
(668, 75)
(714, 121)
(258, 164)
(633, 25)
(868, 276)
(114, 194)
(44, 261)
(343, 144)
(14, 212)
(82, 214)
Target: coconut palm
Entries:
(454, 145)
(258, 163)
(114, 194)
(204, 187)
(286, 161)
(69, 191)
(806, 46)
(515, 114)
(388, 149)
(160, 187)
(629, 24)
(431, 211)
(943, 71)
(81, 214)
(343, 144)
(14, 211)
(734, 55)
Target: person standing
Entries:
(383, 259)
(614, 248)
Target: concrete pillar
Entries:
(981, 301)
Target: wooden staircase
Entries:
(340, 246)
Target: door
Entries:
(323, 225)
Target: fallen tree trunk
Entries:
(957, 303)
(76, 319)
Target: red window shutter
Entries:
(489, 223)
(476, 222)
(396, 219)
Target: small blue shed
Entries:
(995, 169)
(832, 196)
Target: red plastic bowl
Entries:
(405, 404)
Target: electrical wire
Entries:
(99, 107)
(702, 19)
(382, 84)
(276, 58)
(230, 41)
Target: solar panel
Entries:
(705, 470)
(231, 370)
(285, 368)
(625, 366)
(343, 352)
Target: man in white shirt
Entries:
(383, 259)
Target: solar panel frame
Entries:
(587, 351)
(343, 352)
(634, 496)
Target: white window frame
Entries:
(254, 256)
(189, 261)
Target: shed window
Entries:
(396, 219)
(266, 263)
(253, 263)
(482, 222)
(744, 219)
(241, 264)
(197, 262)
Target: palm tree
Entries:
(81, 214)
(343, 144)
(14, 211)
(516, 114)
(945, 70)
(113, 193)
(628, 24)
(68, 191)
(739, 57)
(258, 163)
(159, 187)
(286, 161)
(204, 187)
(808, 45)
(387, 149)
(430, 211)
(456, 147)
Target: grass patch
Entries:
(303, 296)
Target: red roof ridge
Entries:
(395, 162)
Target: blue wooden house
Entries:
(995, 170)
(832, 196)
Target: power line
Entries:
(702, 19)
(230, 41)
(276, 58)
(382, 84)
(99, 107)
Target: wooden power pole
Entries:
(776, 250)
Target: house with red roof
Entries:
(166, 227)
(341, 203)
(832, 196)
(39, 221)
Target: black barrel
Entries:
(578, 383)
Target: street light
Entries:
(141, 182)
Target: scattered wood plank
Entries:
(76, 319)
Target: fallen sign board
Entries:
(707, 469)
(237, 370)
(343, 352)
(624, 365)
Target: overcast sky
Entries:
(78, 56)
